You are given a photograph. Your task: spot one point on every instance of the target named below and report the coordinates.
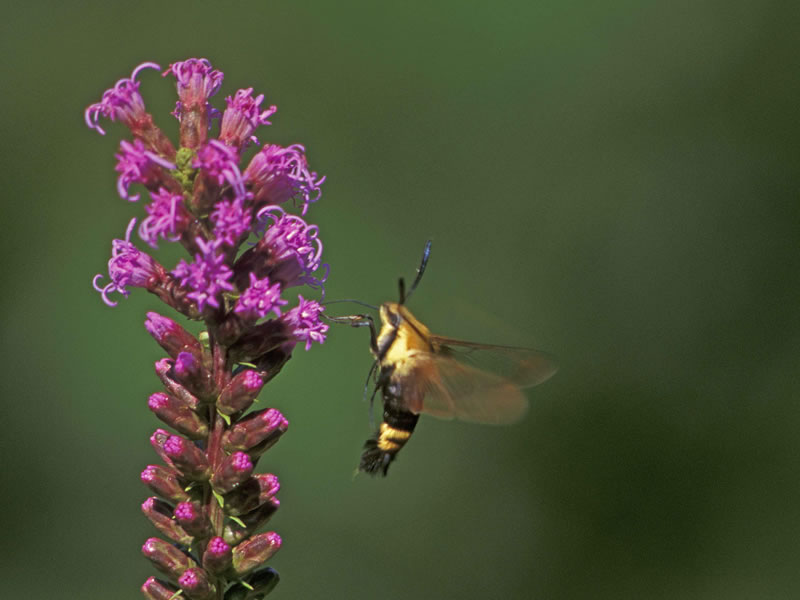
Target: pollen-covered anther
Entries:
(167, 558)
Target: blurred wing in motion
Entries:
(477, 382)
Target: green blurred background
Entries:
(615, 182)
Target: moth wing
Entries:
(460, 391)
(524, 367)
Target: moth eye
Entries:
(394, 318)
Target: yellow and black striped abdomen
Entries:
(393, 433)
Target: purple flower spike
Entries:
(197, 82)
(122, 102)
(231, 221)
(208, 276)
(305, 322)
(258, 300)
(128, 267)
(208, 501)
(278, 174)
(166, 218)
(242, 117)
(136, 164)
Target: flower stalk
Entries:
(245, 249)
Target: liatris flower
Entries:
(209, 502)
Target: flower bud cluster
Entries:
(245, 250)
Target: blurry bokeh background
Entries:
(615, 182)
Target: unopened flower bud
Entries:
(178, 415)
(240, 392)
(172, 337)
(251, 494)
(190, 372)
(253, 553)
(196, 584)
(259, 584)
(261, 338)
(167, 558)
(164, 482)
(192, 517)
(155, 589)
(231, 472)
(164, 371)
(160, 515)
(218, 556)
(187, 457)
(157, 441)
(233, 532)
(257, 432)
(273, 361)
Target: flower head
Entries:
(122, 102)
(258, 300)
(208, 276)
(128, 266)
(136, 164)
(220, 163)
(242, 116)
(278, 174)
(231, 220)
(293, 247)
(197, 82)
(166, 218)
(305, 322)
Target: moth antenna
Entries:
(420, 271)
